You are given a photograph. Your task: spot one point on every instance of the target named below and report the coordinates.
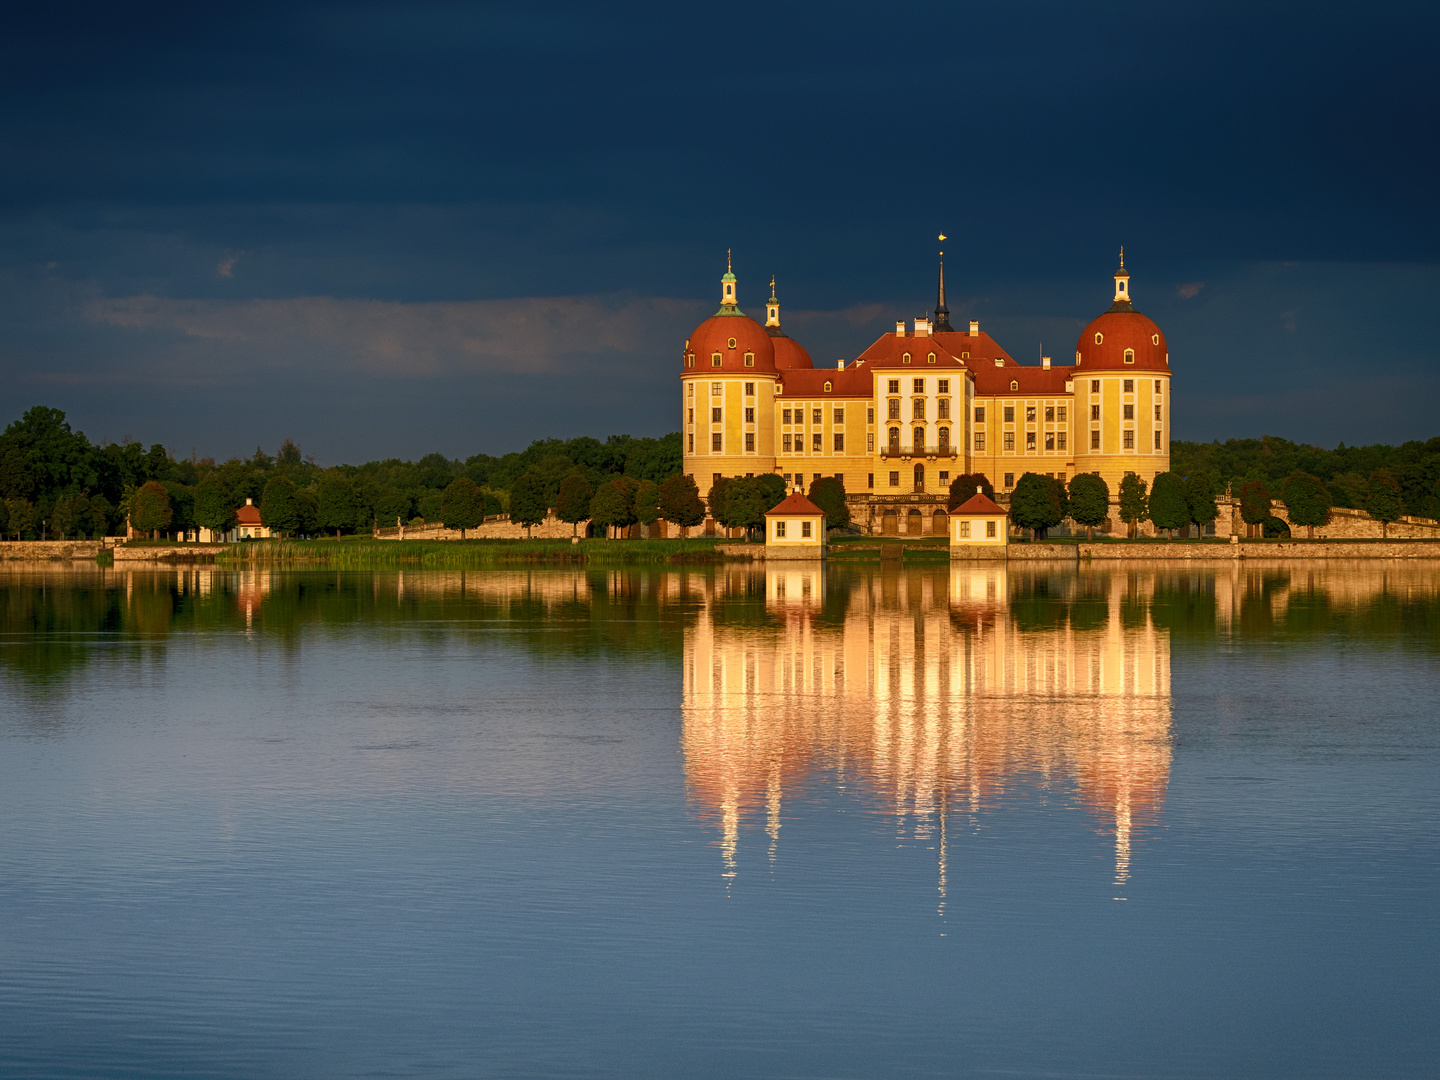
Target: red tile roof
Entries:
(796, 504)
(1122, 328)
(249, 514)
(789, 353)
(995, 382)
(978, 505)
(714, 336)
(810, 382)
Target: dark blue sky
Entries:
(388, 229)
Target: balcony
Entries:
(930, 453)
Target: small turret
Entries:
(772, 308)
(1122, 286)
(728, 302)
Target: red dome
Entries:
(789, 353)
(1103, 344)
(732, 337)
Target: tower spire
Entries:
(942, 312)
(1122, 286)
(728, 301)
(772, 308)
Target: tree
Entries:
(214, 508)
(150, 509)
(4, 519)
(278, 509)
(718, 498)
(963, 489)
(1168, 508)
(100, 511)
(828, 493)
(62, 517)
(1256, 504)
(339, 503)
(307, 511)
(527, 501)
(1133, 502)
(1200, 498)
(647, 503)
(80, 506)
(572, 502)
(1386, 503)
(22, 516)
(1307, 501)
(611, 506)
(464, 505)
(1089, 501)
(680, 502)
(1035, 504)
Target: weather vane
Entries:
(1122, 256)
(942, 240)
(728, 268)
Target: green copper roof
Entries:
(728, 276)
(728, 309)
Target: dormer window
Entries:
(1014, 385)
(1154, 339)
(1099, 339)
(715, 359)
(931, 358)
(1129, 356)
(749, 359)
(905, 359)
(1077, 357)
(827, 387)
(690, 359)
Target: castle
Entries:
(921, 406)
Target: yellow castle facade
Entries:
(922, 405)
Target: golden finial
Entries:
(730, 270)
(1122, 256)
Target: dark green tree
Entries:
(464, 505)
(680, 502)
(339, 503)
(214, 508)
(963, 489)
(81, 507)
(828, 493)
(1134, 504)
(393, 505)
(647, 503)
(62, 517)
(307, 509)
(1035, 504)
(1200, 499)
(4, 519)
(22, 516)
(182, 505)
(150, 509)
(527, 501)
(572, 501)
(611, 507)
(1168, 507)
(1386, 503)
(718, 497)
(278, 508)
(430, 505)
(1307, 501)
(100, 512)
(1256, 504)
(1089, 501)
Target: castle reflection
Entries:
(936, 693)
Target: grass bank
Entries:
(366, 554)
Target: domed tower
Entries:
(1122, 393)
(789, 353)
(727, 391)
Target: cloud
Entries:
(528, 335)
(1189, 290)
(226, 266)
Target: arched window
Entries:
(905, 359)
(944, 439)
(1129, 356)
(931, 358)
(1014, 385)
(1154, 339)
(827, 388)
(894, 438)
(1099, 339)
(919, 440)
(1077, 357)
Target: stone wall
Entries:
(39, 550)
(502, 528)
(162, 554)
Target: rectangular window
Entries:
(1094, 440)
(893, 412)
(1094, 386)
(1060, 414)
(1157, 386)
(692, 389)
(990, 527)
(779, 530)
(1060, 440)
(1129, 386)
(715, 415)
(815, 415)
(1029, 414)
(979, 440)
(870, 480)
(870, 445)
(1094, 412)
(749, 442)
(944, 387)
(692, 442)
(716, 389)
(1129, 411)
(805, 530)
(894, 479)
(942, 408)
(1157, 440)
(749, 389)
(944, 477)
(1009, 480)
(1029, 440)
(1049, 414)
(979, 414)
(715, 359)
(1129, 439)
(919, 409)
(815, 442)
(785, 416)
(870, 415)
(1009, 440)
(690, 417)
(715, 443)
(1009, 415)
(1049, 440)
(919, 386)
(749, 415)
(839, 416)
(786, 443)
(839, 444)
(1157, 413)
(894, 386)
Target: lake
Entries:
(1143, 821)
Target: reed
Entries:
(455, 554)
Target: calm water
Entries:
(1163, 822)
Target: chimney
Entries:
(900, 328)
(974, 327)
(839, 365)
(922, 327)
(249, 502)
(1045, 362)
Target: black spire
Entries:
(942, 313)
